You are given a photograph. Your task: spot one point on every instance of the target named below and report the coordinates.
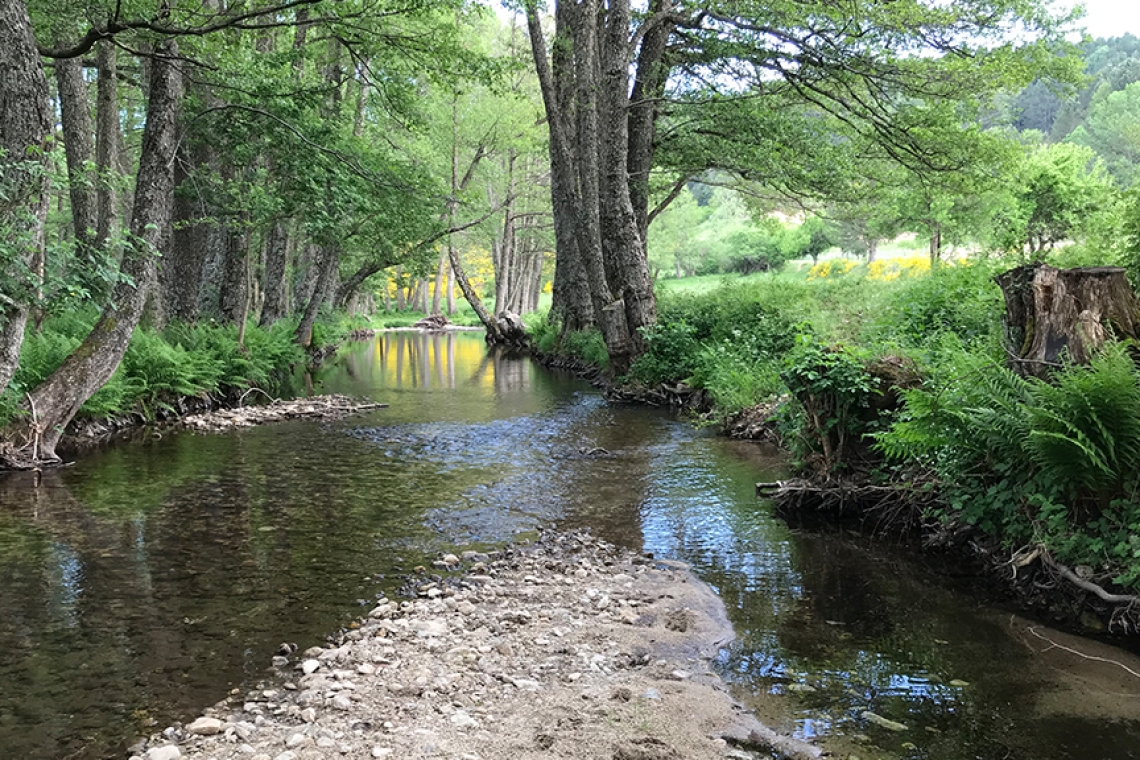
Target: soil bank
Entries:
(567, 648)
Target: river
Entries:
(141, 584)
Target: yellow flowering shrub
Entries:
(831, 267)
(883, 270)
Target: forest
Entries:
(770, 204)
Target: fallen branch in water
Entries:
(1054, 645)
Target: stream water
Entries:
(141, 584)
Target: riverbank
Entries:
(569, 647)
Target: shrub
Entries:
(832, 388)
(1034, 462)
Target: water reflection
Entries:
(142, 583)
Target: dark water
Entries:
(141, 584)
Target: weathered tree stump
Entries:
(512, 331)
(1052, 315)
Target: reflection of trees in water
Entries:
(161, 587)
(118, 648)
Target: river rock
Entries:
(168, 752)
(886, 723)
(510, 657)
(206, 726)
(461, 719)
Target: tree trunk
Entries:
(305, 275)
(1053, 315)
(648, 90)
(450, 286)
(935, 244)
(571, 301)
(437, 294)
(326, 264)
(25, 125)
(54, 402)
(494, 335)
(590, 180)
(234, 287)
(107, 142)
(276, 254)
(78, 139)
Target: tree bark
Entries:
(107, 142)
(78, 144)
(53, 404)
(571, 301)
(25, 125)
(276, 255)
(327, 260)
(590, 180)
(1053, 315)
(450, 287)
(494, 335)
(233, 293)
(648, 89)
(437, 294)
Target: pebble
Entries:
(441, 673)
(205, 727)
(886, 723)
(169, 752)
(461, 719)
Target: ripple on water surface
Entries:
(141, 584)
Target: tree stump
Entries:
(1054, 315)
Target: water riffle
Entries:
(144, 582)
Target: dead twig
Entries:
(1054, 645)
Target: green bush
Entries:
(832, 389)
(709, 329)
(547, 336)
(962, 300)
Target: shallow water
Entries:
(141, 584)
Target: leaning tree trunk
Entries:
(25, 124)
(494, 334)
(327, 261)
(1053, 315)
(52, 405)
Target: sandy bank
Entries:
(568, 648)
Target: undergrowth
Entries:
(159, 366)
